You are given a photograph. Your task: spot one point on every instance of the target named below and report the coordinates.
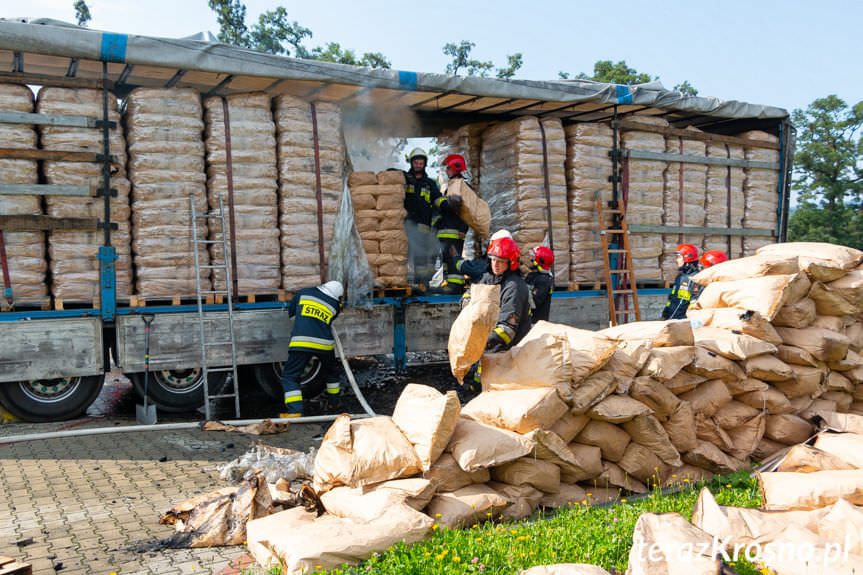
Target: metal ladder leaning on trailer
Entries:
(616, 253)
(232, 384)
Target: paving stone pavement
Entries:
(88, 502)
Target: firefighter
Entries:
(421, 197)
(540, 282)
(451, 229)
(712, 258)
(313, 310)
(684, 290)
(513, 322)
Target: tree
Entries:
(686, 89)
(275, 34)
(82, 12)
(619, 73)
(461, 60)
(514, 62)
(273, 31)
(615, 73)
(231, 15)
(333, 52)
(828, 173)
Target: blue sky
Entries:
(782, 54)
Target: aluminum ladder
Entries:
(617, 260)
(230, 389)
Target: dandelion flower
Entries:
(728, 485)
(456, 559)
(623, 500)
(589, 494)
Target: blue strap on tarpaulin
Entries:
(113, 47)
(407, 80)
(623, 95)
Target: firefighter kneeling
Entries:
(313, 310)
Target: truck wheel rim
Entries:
(180, 379)
(50, 390)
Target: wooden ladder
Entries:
(619, 278)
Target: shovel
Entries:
(146, 414)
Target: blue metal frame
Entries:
(107, 282)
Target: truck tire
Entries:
(269, 377)
(51, 399)
(178, 390)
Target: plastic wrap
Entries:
(73, 255)
(378, 210)
(274, 462)
(347, 263)
(467, 141)
(724, 189)
(254, 173)
(25, 251)
(645, 199)
(588, 168)
(683, 199)
(166, 166)
(297, 185)
(513, 184)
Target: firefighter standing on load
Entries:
(422, 197)
(540, 282)
(451, 229)
(313, 310)
(684, 290)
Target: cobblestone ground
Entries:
(89, 502)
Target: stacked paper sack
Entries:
(570, 412)
(588, 173)
(379, 213)
(645, 197)
(73, 255)
(166, 168)
(513, 170)
(25, 251)
(253, 171)
(683, 200)
(761, 200)
(301, 232)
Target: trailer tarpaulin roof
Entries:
(39, 50)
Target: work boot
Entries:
(333, 404)
(293, 404)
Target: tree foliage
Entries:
(828, 173)
(231, 16)
(273, 30)
(620, 73)
(333, 52)
(461, 60)
(274, 33)
(82, 12)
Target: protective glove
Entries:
(454, 203)
(494, 343)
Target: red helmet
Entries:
(507, 249)
(456, 163)
(543, 257)
(689, 252)
(712, 258)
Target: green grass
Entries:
(577, 534)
